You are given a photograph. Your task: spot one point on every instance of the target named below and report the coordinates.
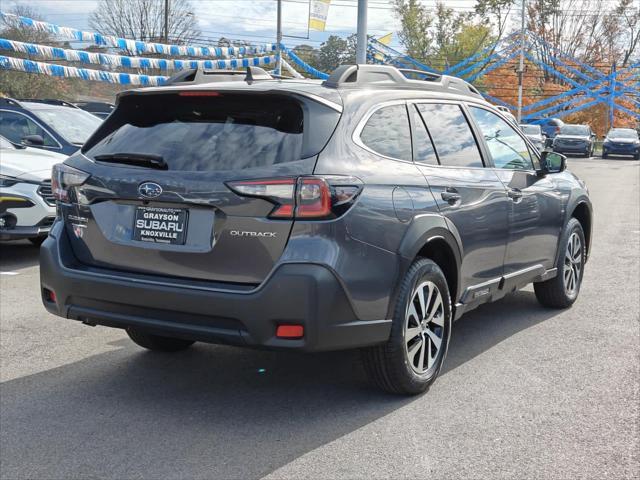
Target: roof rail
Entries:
(9, 101)
(49, 101)
(386, 76)
(195, 76)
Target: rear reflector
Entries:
(290, 331)
(49, 295)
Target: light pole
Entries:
(361, 37)
(521, 65)
(279, 39)
(166, 21)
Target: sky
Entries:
(252, 20)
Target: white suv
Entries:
(27, 207)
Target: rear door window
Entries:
(205, 133)
(451, 134)
(387, 132)
(423, 151)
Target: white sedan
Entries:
(27, 207)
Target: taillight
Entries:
(63, 177)
(304, 197)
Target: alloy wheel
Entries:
(424, 327)
(573, 264)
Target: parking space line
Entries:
(9, 273)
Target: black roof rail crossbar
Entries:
(387, 76)
(49, 101)
(195, 76)
(9, 101)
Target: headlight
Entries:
(6, 181)
(63, 177)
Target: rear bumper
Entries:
(20, 233)
(306, 294)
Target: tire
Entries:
(37, 241)
(636, 156)
(156, 342)
(605, 155)
(391, 366)
(556, 292)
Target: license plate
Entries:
(160, 225)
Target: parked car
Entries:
(550, 126)
(99, 109)
(46, 124)
(507, 113)
(292, 214)
(534, 133)
(621, 141)
(575, 139)
(27, 206)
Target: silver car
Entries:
(534, 133)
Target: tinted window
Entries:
(15, 126)
(451, 135)
(623, 133)
(226, 132)
(387, 132)
(507, 148)
(423, 151)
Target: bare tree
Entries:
(144, 20)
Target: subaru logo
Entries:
(149, 189)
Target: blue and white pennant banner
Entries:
(54, 53)
(132, 46)
(52, 70)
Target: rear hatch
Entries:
(188, 184)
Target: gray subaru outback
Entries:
(367, 211)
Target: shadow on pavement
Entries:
(18, 254)
(209, 412)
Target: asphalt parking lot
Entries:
(526, 392)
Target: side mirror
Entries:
(552, 162)
(33, 140)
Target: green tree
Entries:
(336, 51)
(28, 85)
(415, 28)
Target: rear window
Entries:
(205, 133)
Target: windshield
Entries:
(4, 143)
(73, 124)
(623, 134)
(531, 129)
(575, 130)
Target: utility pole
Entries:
(361, 42)
(521, 65)
(166, 21)
(279, 40)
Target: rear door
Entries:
(536, 205)
(470, 196)
(195, 185)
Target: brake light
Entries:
(64, 177)
(313, 199)
(304, 197)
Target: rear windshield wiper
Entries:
(134, 159)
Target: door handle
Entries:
(514, 194)
(450, 195)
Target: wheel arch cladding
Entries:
(582, 213)
(439, 251)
